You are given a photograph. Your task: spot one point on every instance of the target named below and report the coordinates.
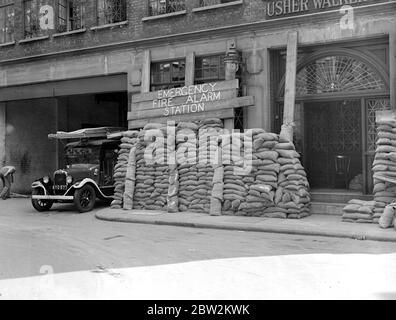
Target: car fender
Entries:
(38, 184)
(82, 183)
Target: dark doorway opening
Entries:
(332, 128)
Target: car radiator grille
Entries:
(60, 185)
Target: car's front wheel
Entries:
(39, 204)
(84, 198)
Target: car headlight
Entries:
(46, 179)
(69, 179)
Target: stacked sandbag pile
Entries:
(356, 183)
(209, 131)
(161, 180)
(128, 141)
(144, 197)
(292, 196)
(235, 190)
(186, 158)
(260, 201)
(359, 211)
(384, 165)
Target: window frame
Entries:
(155, 86)
(100, 19)
(69, 21)
(219, 77)
(211, 3)
(34, 28)
(180, 7)
(8, 23)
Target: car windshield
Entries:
(82, 155)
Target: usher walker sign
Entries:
(188, 103)
(280, 8)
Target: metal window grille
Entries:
(157, 7)
(7, 24)
(69, 15)
(337, 74)
(31, 19)
(167, 74)
(111, 11)
(372, 106)
(209, 69)
(205, 3)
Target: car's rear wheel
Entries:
(84, 198)
(39, 204)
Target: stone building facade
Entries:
(70, 64)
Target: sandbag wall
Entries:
(128, 141)
(359, 211)
(236, 182)
(152, 170)
(186, 157)
(208, 133)
(292, 196)
(196, 146)
(271, 183)
(275, 186)
(384, 165)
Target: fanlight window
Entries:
(337, 74)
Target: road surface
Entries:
(88, 258)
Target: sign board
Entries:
(188, 103)
(284, 8)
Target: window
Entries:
(205, 3)
(166, 75)
(69, 15)
(157, 7)
(7, 24)
(212, 69)
(111, 11)
(209, 69)
(31, 23)
(334, 74)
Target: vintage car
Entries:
(88, 175)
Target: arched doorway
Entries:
(338, 92)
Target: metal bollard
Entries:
(7, 178)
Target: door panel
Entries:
(331, 129)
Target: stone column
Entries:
(190, 68)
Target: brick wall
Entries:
(248, 11)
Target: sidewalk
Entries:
(315, 225)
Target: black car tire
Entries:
(41, 205)
(84, 198)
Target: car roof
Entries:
(88, 143)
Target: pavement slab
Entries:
(314, 225)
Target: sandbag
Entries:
(387, 217)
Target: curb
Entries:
(124, 217)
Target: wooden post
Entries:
(392, 64)
(2, 133)
(130, 180)
(231, 68)
(190, 68)
(290, 86)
